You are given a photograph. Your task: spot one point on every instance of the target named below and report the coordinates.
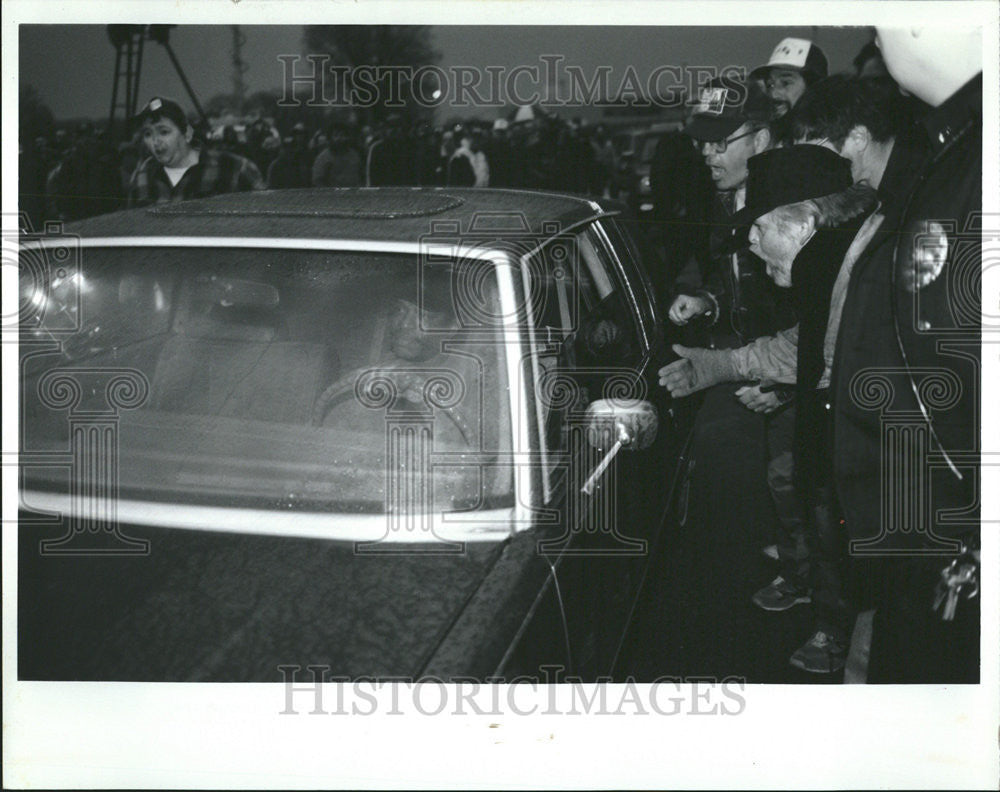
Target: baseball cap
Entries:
(724, 105)
(159, 107)
(795, 53)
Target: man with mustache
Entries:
(794, 65)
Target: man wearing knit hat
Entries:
(808, 224)
(794, 65)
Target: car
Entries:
(390, 432)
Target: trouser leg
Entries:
(827, 547)
(790, 534)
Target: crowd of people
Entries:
(811, 234)
(839, 280)
(71, 174)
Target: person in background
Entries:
(338, 164)
(868, 122)
(500, 155)
(263, 144)
(85, 182)
(467, 166)
(869, 62)
(176, 170)
(794, 65)
(292, 167)
(681, 188)
(390, 155)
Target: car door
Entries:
(595, 338)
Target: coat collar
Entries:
(952, 118)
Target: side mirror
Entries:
(631, 422)
(614, 424)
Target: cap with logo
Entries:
(724, 106)
(798, 54)
(158, 107)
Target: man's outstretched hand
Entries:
(697, 369)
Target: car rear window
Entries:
(272, 378)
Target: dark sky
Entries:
(72, 66)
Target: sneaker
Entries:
(821, 654)
(779, 595)
(771, 551)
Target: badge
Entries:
(930, 252)
(712, 101)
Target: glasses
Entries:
(720, 146)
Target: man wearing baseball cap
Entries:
(729, 125)
(794, 65)
(176, 169)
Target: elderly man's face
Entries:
(777, 243)
(785, 87)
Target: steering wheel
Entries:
(408, 384)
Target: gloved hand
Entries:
(697, 369)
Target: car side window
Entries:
(639, 260)
(585, 332)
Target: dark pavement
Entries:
(696, 618)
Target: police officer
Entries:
(906, 381)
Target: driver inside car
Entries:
(418, 372)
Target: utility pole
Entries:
(239, 68)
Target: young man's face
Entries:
(775, 243)
(167, 142)
(854, 148)
(729, 168)
(785, 87)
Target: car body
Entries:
(343, 428)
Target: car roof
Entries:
(385, 214)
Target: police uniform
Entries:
(906, 396)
